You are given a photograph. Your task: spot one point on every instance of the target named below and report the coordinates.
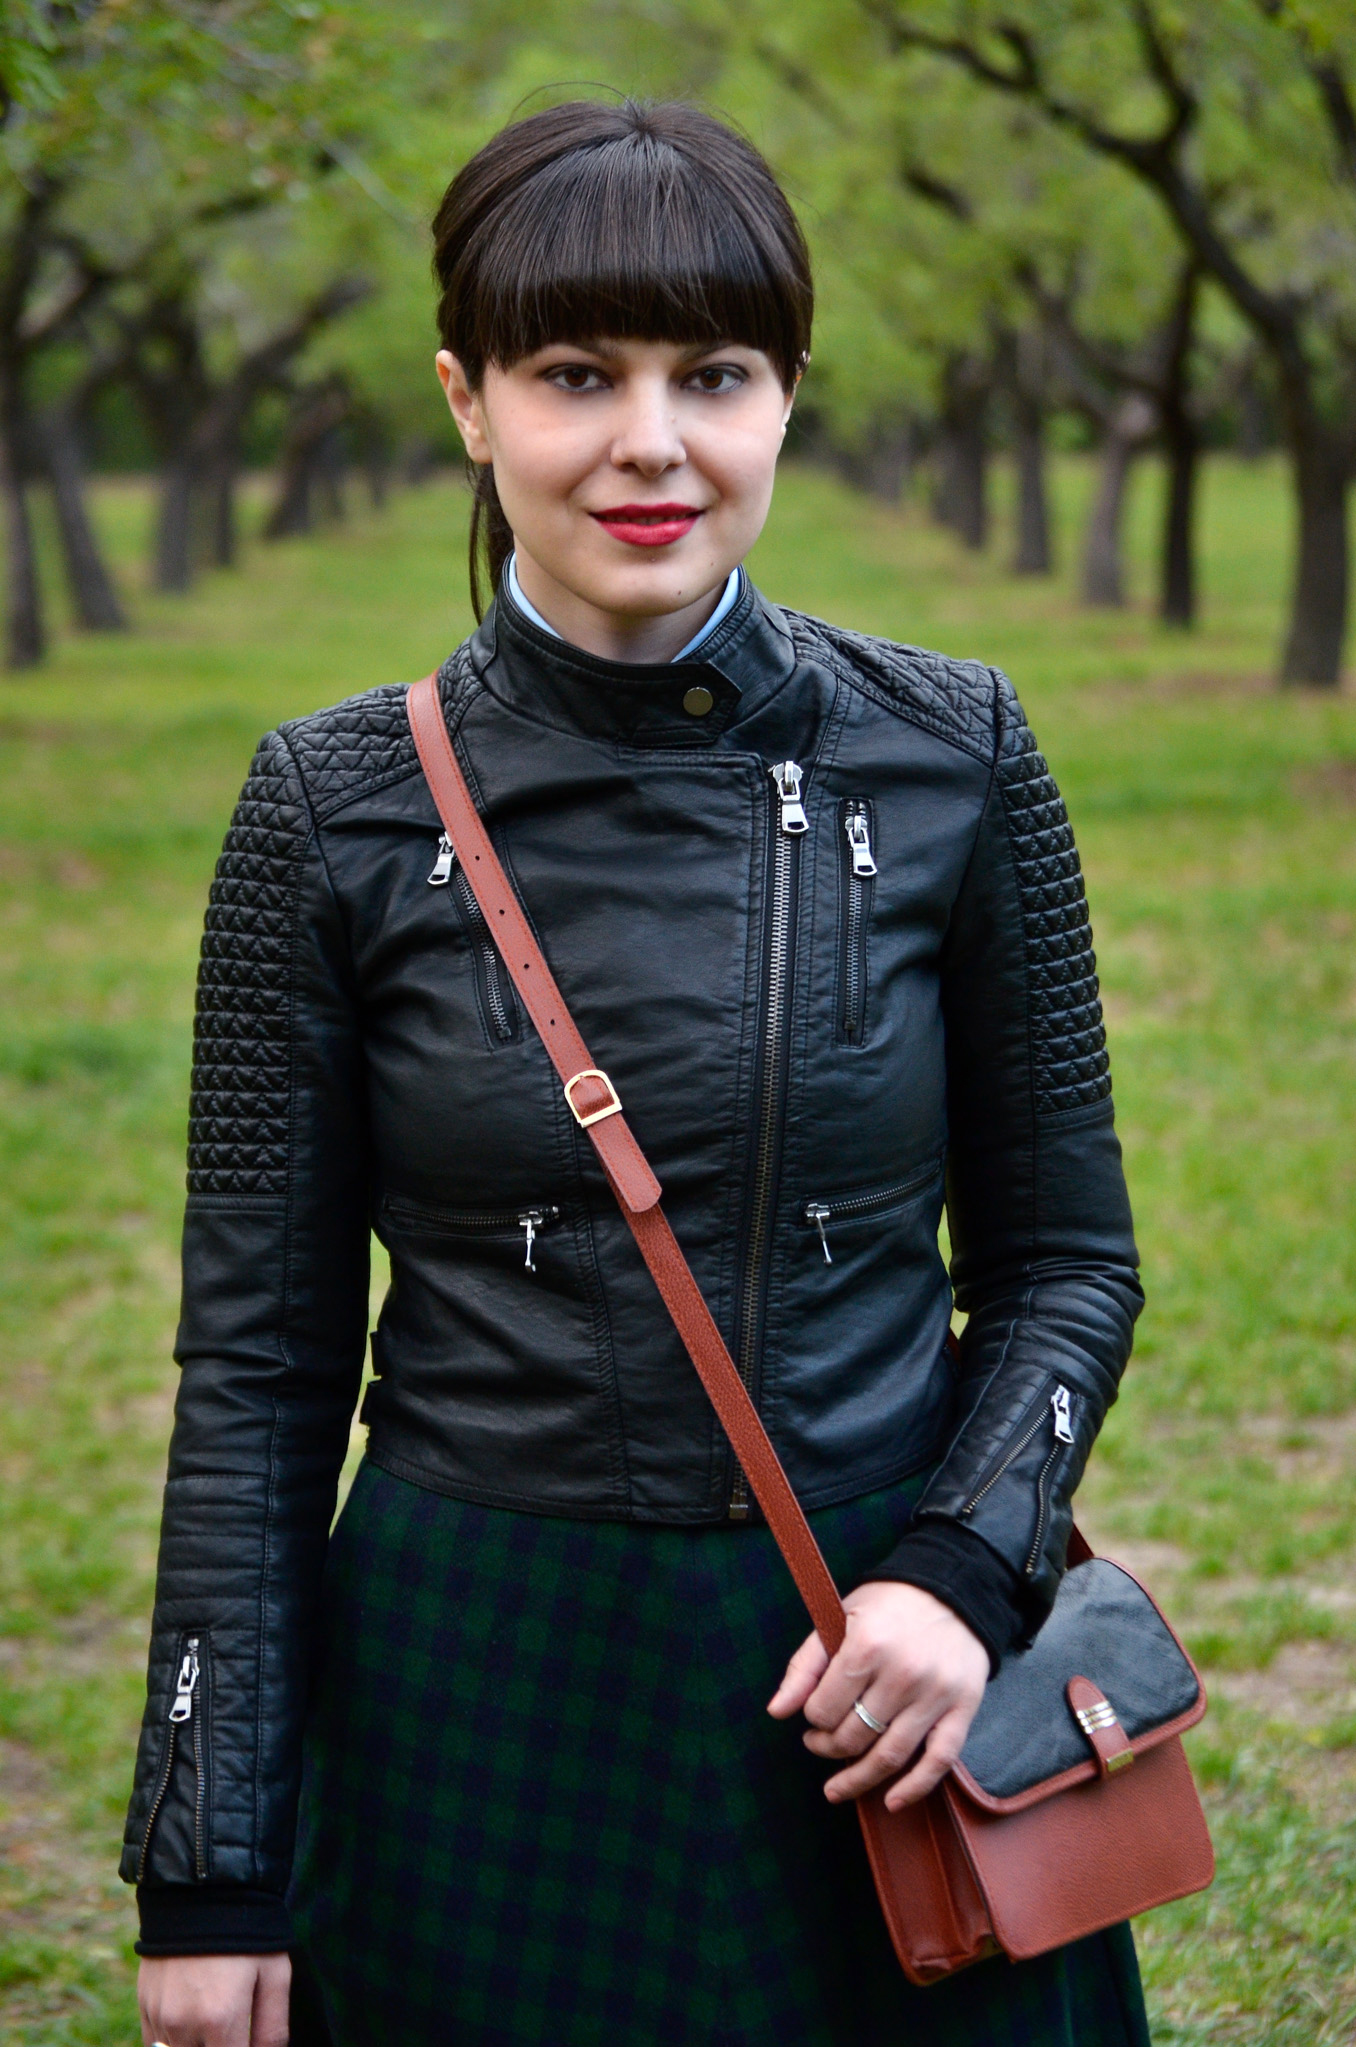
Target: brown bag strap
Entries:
(596, 1107)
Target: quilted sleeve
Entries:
(270, 1347)
(1043, 1254)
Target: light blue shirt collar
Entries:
(727, 600)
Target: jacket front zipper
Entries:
(498, 1002)
(859, 868)
(183, 1711)
(821, 1213)
(789, 826)
(478, 1221)
(1057, 1407)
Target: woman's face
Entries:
(634, 474)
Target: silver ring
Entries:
(868, 1718)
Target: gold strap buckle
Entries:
(612, 1108)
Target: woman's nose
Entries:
(648, 438)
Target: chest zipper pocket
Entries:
(858, 870)
(184, 1735)
(1056, 1411)
(493, 987)
(476, 1222)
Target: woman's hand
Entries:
(215, 2000)
(915, 1665)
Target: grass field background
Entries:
(1217, 821)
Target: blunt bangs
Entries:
(592, 222)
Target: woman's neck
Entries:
(614, 636)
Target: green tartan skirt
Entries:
(543, 1805)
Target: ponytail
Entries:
(491, 537)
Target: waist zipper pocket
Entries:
(477, 1222)
(185, 1726)
(858, 870)
(852, 1207)
(1055, 1411)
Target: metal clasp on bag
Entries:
(611, 1108)
(1100, 1723)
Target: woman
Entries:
(815, 904)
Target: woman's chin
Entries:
(651, 585)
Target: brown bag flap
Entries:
(1027, 1742)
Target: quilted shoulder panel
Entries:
(954, 699)
(1067, 1034)
(311, 767)
(237, 1124)
(364, 742)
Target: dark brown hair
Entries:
(596, 221)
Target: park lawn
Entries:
(1217, 821)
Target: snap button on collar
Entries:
(698, 700)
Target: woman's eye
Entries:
(576, 376)
(717, 377)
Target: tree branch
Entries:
(1154, 159)
(1181, 100)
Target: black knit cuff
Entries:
(960, 1569)
(211, 1919)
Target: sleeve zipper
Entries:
(1060, 1409)
(183, 1710)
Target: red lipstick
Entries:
(649, 525)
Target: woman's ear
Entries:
(465, 406)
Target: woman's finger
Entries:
(941, 1752)
(272, 1999)
(883, 1699)
(867, 1658)
(889, 1755)
(803, 1673)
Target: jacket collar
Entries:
(742, 663)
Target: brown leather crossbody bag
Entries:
(1072, 1806)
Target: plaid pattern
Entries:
(543, 1805)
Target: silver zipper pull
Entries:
(858, 827)
(788, 778)
(818, 1213)
(185, 1685)
(529, 1222)
(1061, 1401)
(442, 866)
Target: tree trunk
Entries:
(1177, 591)
(329, 470)
(883, 466)
(312, 459)
(1033, 554)
(1177, 570)
(292, 511)
(1255, 428)
(1318, 617)
(25, 640)
(1103, 575)
(221, 500)
(173, 570)
(93, 594)
(962, 498)
(377, 469)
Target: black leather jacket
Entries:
(828, 994)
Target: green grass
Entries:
(1217, 821)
